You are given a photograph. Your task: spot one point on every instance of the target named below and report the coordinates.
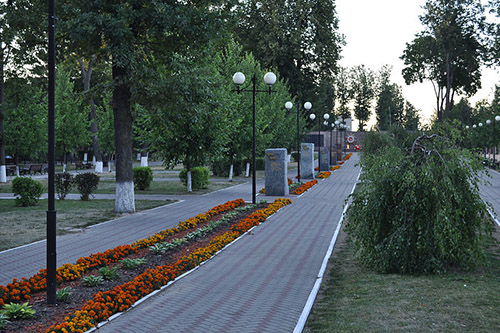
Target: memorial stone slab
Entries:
(307, 160)
(276, 182)
(324, 159)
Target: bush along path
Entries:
(160, 258)
(298, 188)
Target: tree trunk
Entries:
(144, 158)
(3, 168)
(231, 169)
(124, 202)
(87, 74)
(189, 179)
(247, 171)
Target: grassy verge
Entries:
(354, 299)
(157, 187)
(24, 225)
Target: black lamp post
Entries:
(307, 106)
(497, 118)
(51, 212)
(312, 116)
(239, 79)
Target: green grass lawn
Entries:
(157, 187)
(24, 225)
(354, 299)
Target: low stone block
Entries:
(276, 172)
(307, 160)
(324, 159)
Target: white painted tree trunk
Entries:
(144, 161)
(93, 160)
(124, 202)
(98, 167)
(231, 168)
(138, 156)
(85, 157)
(64, 167)
(110, 166)
(189, 182)
(17, 170)
(247, 171)
(3, 174)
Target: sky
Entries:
(376, 34)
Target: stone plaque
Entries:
(276, 172)
(307, 160)
(324, 159)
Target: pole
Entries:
(254, 165)
(51, 212)
(298, 141)
(319, 145)
(494, 143)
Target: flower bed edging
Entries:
(108, 303)
(20, 290)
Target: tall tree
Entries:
(26, 116)
(411, 117)
(450, 50)
(299, 38)
(363, 90)
(133, 34)
(343, 93)
(72, 125)
(390, 101)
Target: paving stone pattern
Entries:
(260, 283)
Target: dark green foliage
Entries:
(418, 210)
(86, 183)
(295, 156)
(63, 182)
(221, 168)
(143, 176)
(373, 142)
(18, 311)
(199, 177)
(260, 163)
(27, 191)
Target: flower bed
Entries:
(20, 290)
(324, 174)
(105, 304)
(304, 187)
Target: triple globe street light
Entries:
(239, 79)
(307, 106)
(326, 116)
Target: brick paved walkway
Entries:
(491, 192)
(260, 283)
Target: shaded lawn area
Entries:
(157, 187)
(354, 299)
(24, 225)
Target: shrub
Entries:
(199, 177)
(86, 183)
(109, 273)
(3, 321)
(27, 190)
(92, 280)
(63, 295)
(63, 182)
(132, 263)
(143, 176)
(418, 211)
(18, 311)
(221, 167)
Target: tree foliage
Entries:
(418, 210)
(299, 38)
(450, 50)
(363, 87)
